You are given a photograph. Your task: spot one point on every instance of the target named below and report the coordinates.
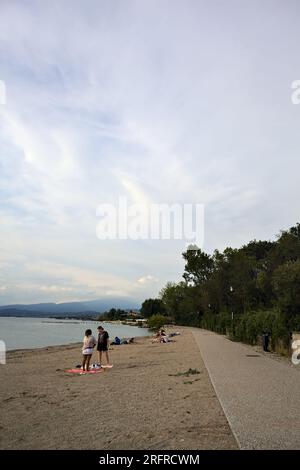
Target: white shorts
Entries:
(87, 351)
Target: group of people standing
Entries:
(89, 343)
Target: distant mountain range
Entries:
(74, 309)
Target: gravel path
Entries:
(259, 395)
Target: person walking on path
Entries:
(102, 344)
(89, 343)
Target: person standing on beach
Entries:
(89, 343)
(102, 344)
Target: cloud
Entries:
(147, 280)
(161, 102)
(56, 289)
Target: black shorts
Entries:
(102, 347)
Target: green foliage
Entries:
(259, 284)
(249, 326)
(182, 303)
(113, 314)
(152, 307)
(155, 322)
(253, 324)
(198, 266)
(286, 285)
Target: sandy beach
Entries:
(146, 401)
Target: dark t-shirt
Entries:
(102, 338)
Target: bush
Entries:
(155, 322)
(249, 327)
(220, 322)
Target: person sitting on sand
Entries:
(161, 337)
(103, 344)
(89, 343)
(157, 338)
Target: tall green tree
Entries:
(152, 307)
(286, 283)
(198, 267)
(259, 283)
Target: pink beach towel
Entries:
(77, 371)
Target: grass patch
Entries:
(187, 373)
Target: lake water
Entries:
(27, 333)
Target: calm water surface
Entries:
(26, 333)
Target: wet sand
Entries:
(146, 401)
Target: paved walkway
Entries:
(260, 396)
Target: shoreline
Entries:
(37, 333)
(77, 344)
(44, 348)
(150, 399)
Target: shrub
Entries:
(249, 327)
(155, 322)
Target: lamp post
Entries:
(232, 317)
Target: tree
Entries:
(295, 230)
(287, 248)
(113, 314)
(152, 307)
(259, 283)
(171, 296)
(198, 267)
(182, 303)
(286, 283)
(155, 322)
(258, 249)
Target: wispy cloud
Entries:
(161, 101)
(147, 280)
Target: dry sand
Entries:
(142, 403)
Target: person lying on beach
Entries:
(89, 343)
(103, 344)
(127, 340)
(116, 341)
(162, 337)
(165, 339)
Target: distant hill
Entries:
(74, 309)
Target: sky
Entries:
(157, 101)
